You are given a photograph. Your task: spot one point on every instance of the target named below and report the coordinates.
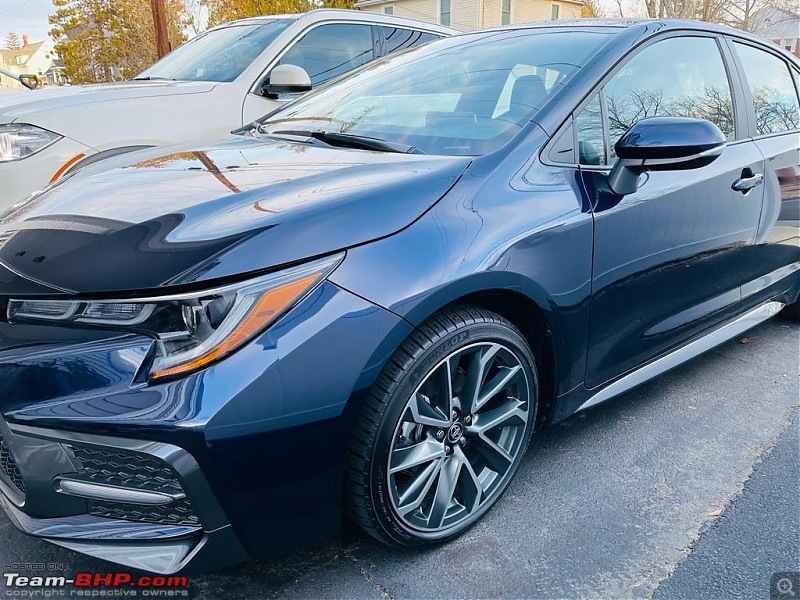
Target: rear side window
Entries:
(400, 39)
(330, 50)
(774, 96)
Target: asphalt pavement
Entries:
(686, 487)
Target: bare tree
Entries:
(12, 41)
(742, 14)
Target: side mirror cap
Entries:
(287, 79)
(663, 144)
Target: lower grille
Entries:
(126, 469)
(112, 466)
(177, 513)
(9, 466)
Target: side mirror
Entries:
(663, 144)
(29, 81)
(287, 79)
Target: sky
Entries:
(30, 17)
(25, 16)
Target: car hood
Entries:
(229, 209)
(23, 106)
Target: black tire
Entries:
(460, 336)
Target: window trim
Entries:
(558, 11)
(389, 7)
(736, 97)
(745, 84)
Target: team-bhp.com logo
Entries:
(90, 585)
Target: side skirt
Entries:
(684, 353)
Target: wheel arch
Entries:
(512, 296)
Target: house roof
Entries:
(10, 56)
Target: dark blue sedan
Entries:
(366, 303)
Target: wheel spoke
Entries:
(415, 455)
(511, 409)
(414, 492)
(498, 383)
(468, 470)
(445, 489)
(424, 413)
(496, 456)
(479, 364)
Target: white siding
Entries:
(492, 10)
(464, 14)
(523, 11)
(424, 10)
(477, 14)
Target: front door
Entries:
(325, 51)
(667, 258)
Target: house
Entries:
(38, 58)
(780, 26)
(475, 14)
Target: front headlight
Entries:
(18, 140)
(192, 330)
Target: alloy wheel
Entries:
(459, 437)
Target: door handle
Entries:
(747, 181)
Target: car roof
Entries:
(339, 14)
(653, 25)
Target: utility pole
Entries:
(160, 22)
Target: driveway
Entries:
(683, 488)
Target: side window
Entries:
(677, 77)
(444, 12)
(505, 12)
(330, 50)
(591, 134)
(774, 95)
(400, 39)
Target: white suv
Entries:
(214, 83)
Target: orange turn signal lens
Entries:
(269, 305)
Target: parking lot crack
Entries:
(386, 593)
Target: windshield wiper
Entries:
(350, 140)
(152, 79)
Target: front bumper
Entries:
(146, 505)
(255, 444)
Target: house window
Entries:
(555, 9)
(444, 12)
(388, 10)
(505, 12)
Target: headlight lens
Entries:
(20, 141)
(192, 330)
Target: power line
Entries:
(13, 8)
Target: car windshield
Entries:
(467, 95)
(219, 55)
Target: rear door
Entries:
(667, 259)
(772, 101)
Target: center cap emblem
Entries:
(455, 432)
